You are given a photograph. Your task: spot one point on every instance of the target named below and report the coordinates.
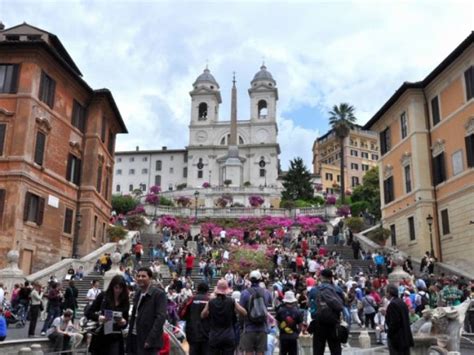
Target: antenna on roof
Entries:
(207, 64)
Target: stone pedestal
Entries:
(115, 270)
(295, 232)
(398, 275)
(12, 274)
(192, 247)
(305, 345)
(195, 229)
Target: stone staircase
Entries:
(83, 286)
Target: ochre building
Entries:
(57, 140)
(360, 154)
(427, 160)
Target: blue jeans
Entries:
(53, 313)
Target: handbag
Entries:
(342, 332)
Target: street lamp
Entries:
(429, 220)
(196, 195)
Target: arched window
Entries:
(202, 111)
(262, 109)
(241, 140)
(200, 165)
(223, 141)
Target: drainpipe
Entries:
(428, 125)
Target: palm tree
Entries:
(342, 119)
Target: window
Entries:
(2, 205)
(407, 172)
(158, 180)
(68, 221)
(469, 77)
(73, 170)
(8, 78)
(262, 172)
(338, 178)
(39, 147)
(47, 89)
(385, 140)
(388, 190)
(185, 157)
(439, 171)
(199, 174)
(185, 172)
(435, 110)
(158, 165)
(172, 157)
(3, 131)
(411, 228)
(445, 222)
(131, 159)
(202, 115)
(143, 187)
(457, 162)
(355, 181)
(329, 176)
(119, 172)
(106, 189)
(354, 166)
(95, 226)
(470, 150)
(103, 129)
(78, 116)
(34, 208)
(130, 187)
(171, 170)
(262, 109)
(119, 160)
(99, 177)
(393, 235)
(375, 157)
(111, 142)
(354, 153)
(117, 188)
(144, 171)
(365, 167)
(364, 155)
(131, 172)
(145, 159)
(404, 124)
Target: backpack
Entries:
(326, 306)
(257, 309)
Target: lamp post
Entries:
(429, 220)
(75, 240)
(196, 195)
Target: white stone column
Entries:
(12, 274)
(115, 270)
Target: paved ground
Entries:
(21, 333)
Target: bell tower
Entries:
(205, 99)
(263, 96)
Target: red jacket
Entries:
(165, 350)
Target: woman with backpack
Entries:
(289, 319)
(370, 309)
(115, 299)
(221, 311)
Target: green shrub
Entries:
(135, 223)
(303, 203)
(165, 201)
(122, 204)
(356, 224)
(379, 235)
(358, 207)
(181, 186)
(116, 233)
(287, 204)
(318, 200)
(247, 184)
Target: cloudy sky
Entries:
(321, 53)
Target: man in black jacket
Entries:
(145, 336)
(399, 334)
(197, 329)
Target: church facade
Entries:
(240, 157)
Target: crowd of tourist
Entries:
(310, 289)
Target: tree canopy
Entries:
(369, 192)
(297, 182)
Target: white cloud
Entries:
(149, 53)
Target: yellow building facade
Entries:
(426, 132)
(360, 155)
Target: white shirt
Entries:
(223, 233)
(2, 295)
(312, 265)
(92, 293)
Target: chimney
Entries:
(164, 147)
(137, 148)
